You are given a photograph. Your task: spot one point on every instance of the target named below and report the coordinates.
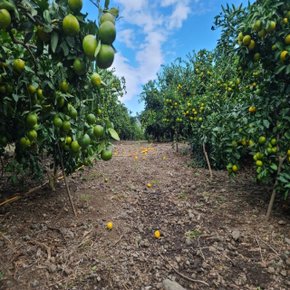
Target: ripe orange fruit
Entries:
(106, 154)
(252, 109)
(70, 25)
(31, 119)
(79, 67)
(109, 225)
(157, 234)
(107, 17)
(283, 55)
(247, 40)
(105, 56)
(107, 32)
(63, 86)
(287, 39)
(18, 65)
(90, 45)
(96, 79)
(5, 18)
(98, 131)
(75, 146)
(235, 168)
(75, 5)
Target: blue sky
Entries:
(152, 33)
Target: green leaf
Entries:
(114, 134)
(274, 166)
(54, 41)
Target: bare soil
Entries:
(213, 232)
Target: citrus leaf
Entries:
(114, 134)
(54, 41)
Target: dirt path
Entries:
(213, 233)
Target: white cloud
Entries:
(127, 36)
(145, 27)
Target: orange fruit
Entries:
(235, 168)
(271, 26)
(247, 40)
(75, 5)
(257, 25)
(252, 45)
(66, 126)
(70, 25)
(39, 93)
(252, 109)
(18, 65)
(157, 234)
(283, 55)
(90, 45)
(109, 225)
(257, 56)
(98, 131)
(75, 146)
(5, 18)
(24, 142)
(68, 140)
(31, 89)
(32, 135)
(79, 67)
(96, 79)
(107, 32)
(31, 119)
(106, 154)
(63, 86)
(107, 17)
(85, 141)
(259, 163)
(105, 56)
(57, 121)
(287, 39)
(262, 139)
(91, 118)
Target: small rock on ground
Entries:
(171, 285)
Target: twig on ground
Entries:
(118, 240)
(48, 249)
(270, 247)
(260, 249)
(182, 275)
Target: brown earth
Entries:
(213, 232)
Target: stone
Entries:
(236, 235)
(171, 285)
(271, 270)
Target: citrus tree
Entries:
(54, 86)
(232, 104)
